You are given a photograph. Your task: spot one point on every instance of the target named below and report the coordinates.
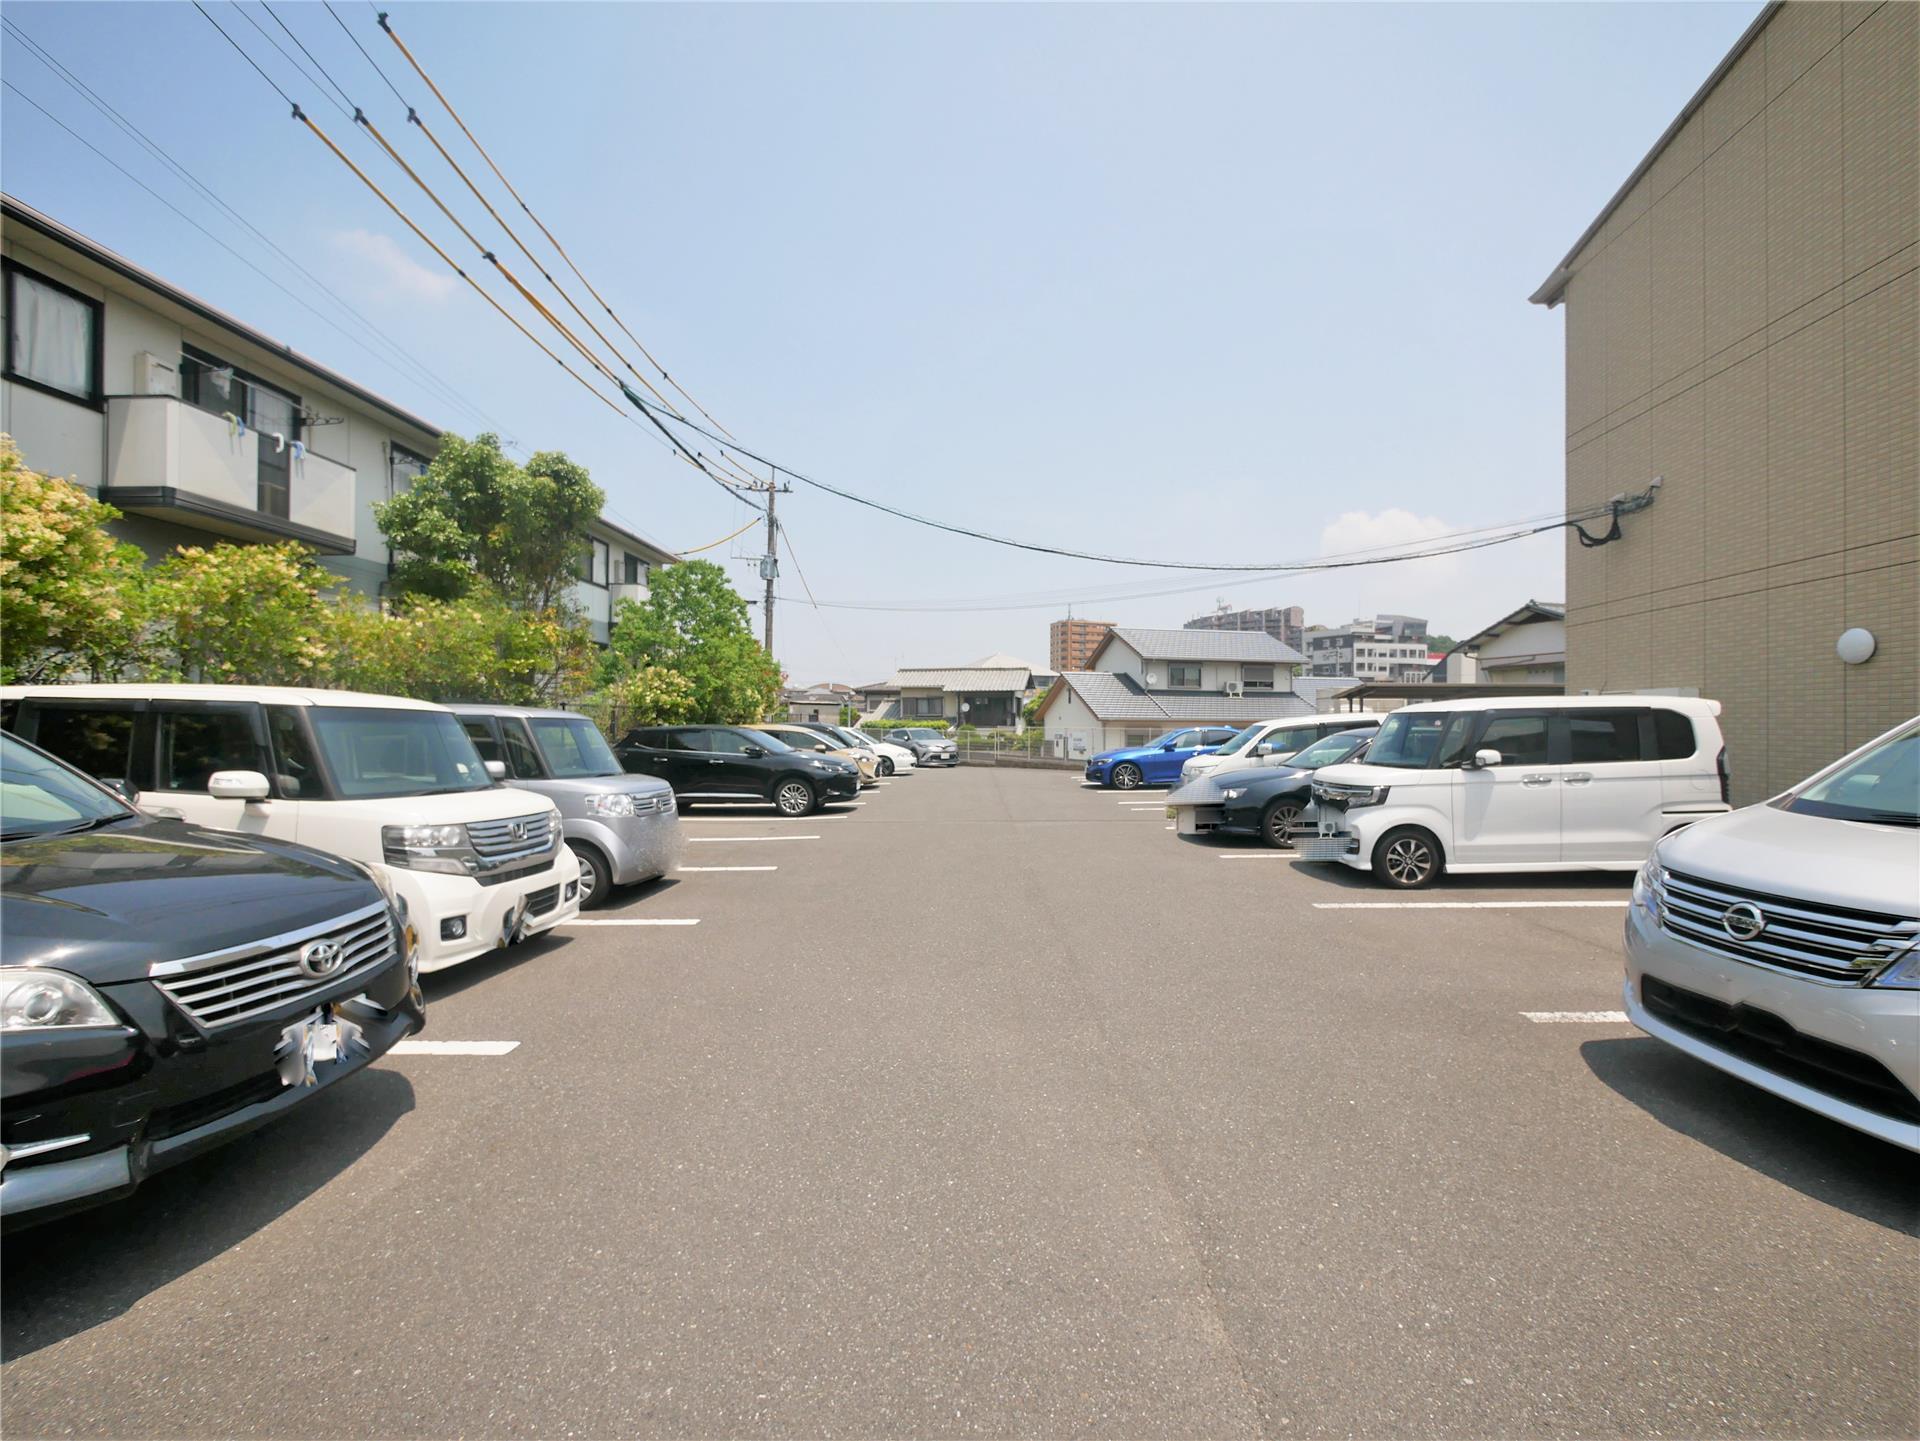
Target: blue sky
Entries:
(1222, 283)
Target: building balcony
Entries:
(171, 461)
(633, 590)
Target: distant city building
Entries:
(1285, 623)
(1386, 647)
(1071, 643)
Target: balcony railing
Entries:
(172, 461)
(633, 590)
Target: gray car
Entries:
(931, 747)
(622, 828)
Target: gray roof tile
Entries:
(1241, 645)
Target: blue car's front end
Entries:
(1153, 764)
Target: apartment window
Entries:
(53, 337)
(923, 705)
(209, 383)
(593, 562)
(1183, 677)
(1256, 677)
(633, 569)
(403, 469)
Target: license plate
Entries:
(307, 1043)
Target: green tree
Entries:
(475, 648)
(72, 598)
(242, 614)
(695, 624)
(476, 520)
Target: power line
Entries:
(243, 54)
(420, 370)
(363, 51)
(268, 37)
(274, 16)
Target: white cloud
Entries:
(389, 272)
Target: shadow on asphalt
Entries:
(70, 1275)
(1821, 1159)
(440, 985)
(1602, 884)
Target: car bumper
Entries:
(1843, 1052)
(1333, 835)
(839, 788)
(637, 848)
(492, 916)
(171, 1108)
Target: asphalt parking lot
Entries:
(988, 1106)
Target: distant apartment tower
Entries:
(1285, 623)
(1387, 647)
(1072, 643)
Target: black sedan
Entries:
(1261, 801)
(165, 988)
(734, 763)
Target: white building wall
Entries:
(1539, 637)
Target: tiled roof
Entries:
(1114, 697)
(1241, 645)
(963, 678)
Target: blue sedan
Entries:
(1158, 762)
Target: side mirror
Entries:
(238, 786)
(1485, 758)
(754, 751)
(1171, 746)
(1263, 749)
(822, 747)
(496, 769)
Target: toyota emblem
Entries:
(321, 958)
(1743, 921)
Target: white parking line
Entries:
(729, 840)
(631, 921)
(1610, 1018)
(762, 820)
(451, 1048)
(1259, 856)
(1466, 905)
(729, 868)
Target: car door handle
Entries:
(1578, 778)
(716, 761)
(1536, 780)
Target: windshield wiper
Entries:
(1888, 818)
(92, 825)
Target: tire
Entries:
(1278, 822)
(596, 881)
(1408, 859)
(794, 797)
(1127, 776)
(886, 765)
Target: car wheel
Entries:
(1279, 823)
(886, 765)
(1127, 777)
(793, 798)
(596, 881)
(1408, 859)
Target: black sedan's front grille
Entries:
(227, 987)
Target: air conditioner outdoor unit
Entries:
(1232, 687)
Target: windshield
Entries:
(573, 748)
(1240, 742)
(1881, 787)
(375, 752)
(922, 733)
(1326, 752)
(854, 738)
(41, 797)
(1408, 741)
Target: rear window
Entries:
(1673, 737)
(1597, 737)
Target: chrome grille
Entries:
(225, 987)
(496, 841)
(1806, 937)
(653, 805)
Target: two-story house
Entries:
(199, 428)
(1144, 681)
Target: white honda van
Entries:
(392, 783)
(1547, 783)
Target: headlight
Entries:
(1233, 793)
(1352, 797)
(1903, 974)
(36, 1000)
(1650, 885)
(612, 805)
(427, 848)
(381, 879)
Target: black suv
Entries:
(165, 988)
(733, 763)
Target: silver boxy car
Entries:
(622, 828)
(1781, 942)
(929, 746)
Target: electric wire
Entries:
(247, 16)
(274, 16)
(696, 550)
(238, 50)
(552, 240)
(363, 51)
(421, 372)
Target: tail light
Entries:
(1726, 780)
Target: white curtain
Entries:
(52, 336)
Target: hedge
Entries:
(936, 723)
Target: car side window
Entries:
(1452, 749)
(523, 761)
(196, 743)
(1220, 737)
(479, 730)
(1520, 739)
(1673, 737)
(97, 740)
(728, 743)
(1602, 737)
(295, 771)
(689, 740)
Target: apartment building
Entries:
(1741, 322)
(1285, 623)
(1071, 643)
(1386, 647)
(200, 428)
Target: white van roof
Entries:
(262, 694)
(1686, 704)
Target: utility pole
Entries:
(770, 563)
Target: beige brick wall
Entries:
(1745, 325)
